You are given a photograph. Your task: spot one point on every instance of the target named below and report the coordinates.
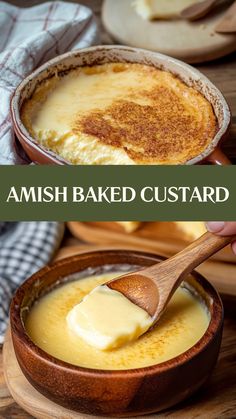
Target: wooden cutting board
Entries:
(25, 394)
(163, 238)
(193, 42)
(221, 275)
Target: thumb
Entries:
(222, 228)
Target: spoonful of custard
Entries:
(126, 307)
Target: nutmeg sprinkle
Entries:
(164, 125)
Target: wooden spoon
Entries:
(198, 10)
(151, 288)
(228, 23)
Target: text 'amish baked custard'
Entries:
(120, 113)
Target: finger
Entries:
(234, 247)
(222, 228)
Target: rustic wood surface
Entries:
(218, 400)
(191, 42)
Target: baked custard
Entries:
(183, 324)
(120, 113)
(129, 226)
(161, 9)
(106, 319)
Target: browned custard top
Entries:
(121, 114)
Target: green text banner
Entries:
(117, 193)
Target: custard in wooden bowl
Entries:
(140, 377)
(120, 113)
(181, 327)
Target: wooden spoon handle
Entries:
(228, 23)
(170, 273)
(178, 266)
(198, 9)
(201, 249)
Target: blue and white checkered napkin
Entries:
(25, 247)
(28, 38)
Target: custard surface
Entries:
(119, 113)
(182, 325)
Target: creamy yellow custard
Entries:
(182, 325)
(129, 226)
(106, 319)
(120, 113)
(161, 9)
(190, 230)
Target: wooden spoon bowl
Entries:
(113, 393)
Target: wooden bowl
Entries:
(112, 393)
(105, 54)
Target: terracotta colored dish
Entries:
(107, 54)
(112, 393)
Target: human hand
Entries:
(223, 229)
